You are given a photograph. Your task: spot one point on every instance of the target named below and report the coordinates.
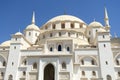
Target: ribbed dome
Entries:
(18, 33)
(6, 43)
(95, 24)
(65, 18)
(32, 26)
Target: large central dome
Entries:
(65, 18)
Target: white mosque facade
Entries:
(64, 48)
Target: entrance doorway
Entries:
(49, 72)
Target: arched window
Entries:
(63, 65)
(4, 63)
(118, 74)
(83, 73)
(24, 73)
(2, 74)
(46, 27)
(25, 62)
(63, 25)
(117, 62)
(93, 73)
(72, 25)
(68, 48)
(14, 47)
(81, 25)
(29, 33)
(51, 49)
(93, 62)
(53, 26)
(35, 65)
(82, 62)
(16, 39)
(10, 77)
(50, 34)
(103, 36)
(43, 36)
(12, 63)
(59, 48)
(109, 77)
(104, 45)
(59, 33)
(69, 34)
(106, 62)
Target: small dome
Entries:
(6, 43)
(18, 33)
(32, 26)
(95, 24)
(65, 18)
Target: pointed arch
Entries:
(83, 73)
(4, 63)
(63, 25)
(93, 73)
(117, 62)
(115, 58)
(82, 62)
(24, 73)
(49, 72)
(10, 77)
(59, 47)
(63, 65)
(68, 34)
(51, 49)
(1, 75)
(118, 74)
(108, 77)
(3, 57)
(68, 48)
(95, 60)
(24, 61)
(35, 65)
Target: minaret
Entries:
(32, 31)
(33, 18)
(106, 19)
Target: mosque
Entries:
(64, 48)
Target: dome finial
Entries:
(94, 20)
(33, 18)
(64, 12)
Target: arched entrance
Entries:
(109, 77)
(49, 72)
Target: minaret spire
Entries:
(106, 18)
(115, 35)
(33, 18)
(64, 12)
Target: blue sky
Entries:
(16, 14)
